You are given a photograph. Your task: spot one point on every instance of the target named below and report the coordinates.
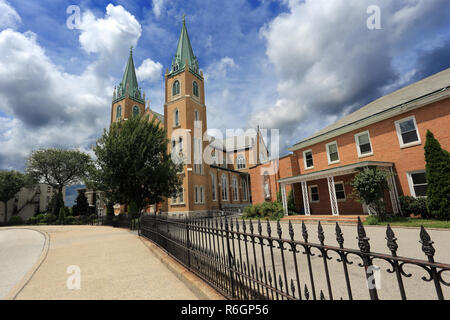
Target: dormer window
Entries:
(176, 67)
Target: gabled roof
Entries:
(433, 84)
(234, 143)
(184, 53)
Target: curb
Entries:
(202, 290)
(14, 292)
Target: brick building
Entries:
(215, 173)
(388, 133)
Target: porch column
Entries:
(305, 198)
(333, 199)
(283, 197)
(393, 193)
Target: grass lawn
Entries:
(410, 222)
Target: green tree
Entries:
(369, 186)
(81, 207)
(62, 215)
(291, 202)
(56, 203)
(133, 163)
(58, 167)
(11, 182)
(438, 178)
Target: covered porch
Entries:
(327, 192)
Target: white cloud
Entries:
(218, 69)
(110, 35)
(9, 18)
(149, 70)
(46, 106)
(329, 63)
(158, 7)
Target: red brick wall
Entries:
(385, 144)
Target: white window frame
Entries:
(328, 153)
(304, 159)
(177, 198)
(399, 133)
(310, 193)
(176, 119)
(224, 189)
(241, 163)
(343, 186)
(213, 187)
(358, 149)
(235, 189)
(411, 183)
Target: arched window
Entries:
(136, 111)
(235, 190)
(224, 188)
(195, 88)
(244, 189)
(241, 161)
(176, 118)
(176, 88)
(119, 112)
(213, 187)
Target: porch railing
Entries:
(244, 263)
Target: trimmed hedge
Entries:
(415, 206)
(266, 210)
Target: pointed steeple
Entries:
(129, 85)
(184, 53)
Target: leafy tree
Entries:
(133, 210)
(110, 209)
(56, 203)
(62, 215)
(369, 186)
(438, 178)
(81, 207)
(291, 202)
(133, 163)
(58, 167)
(11, 182)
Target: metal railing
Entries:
(243, 263)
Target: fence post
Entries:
(188, 242)
(230, 257)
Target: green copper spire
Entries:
(184, 52)
(129, 85)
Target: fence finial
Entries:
(363, 241)
(339, 235)
(291, 230)
(304, 232)
(391, 239)
(427, 243)
(320, 233)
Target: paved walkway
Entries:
(114, 264)
(20, 249)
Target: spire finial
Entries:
(131, 49)
(184, 18)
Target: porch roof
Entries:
(339, 171)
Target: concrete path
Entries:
(113, 264)
(20, 249)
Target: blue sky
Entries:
(292, 65)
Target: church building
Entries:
(215, 174)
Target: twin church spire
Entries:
(129, 86)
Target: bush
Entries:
(372, 220)
(62, 215)
(15, 221)
(32, 220)
(70, 220)
(415, 206)
(50, 218)
(266, 210)
(93, 217)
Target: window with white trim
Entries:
(199, 194)
(308, 159)
(314, 194)
(363, 144)
(224, 188)
(244, 189)
(178, 198)
(407, 132)
(332, 153)
(235, 190)
(340, 191)
(418, 184)
(213, 187)
(241, 161)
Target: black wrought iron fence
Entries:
(126, 223)
(248, 264)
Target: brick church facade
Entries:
(215, 174)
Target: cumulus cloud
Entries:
(218, 69)
(44, 106)
(9, 18)
(149, 70)
(158, 7)
(329, 63)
